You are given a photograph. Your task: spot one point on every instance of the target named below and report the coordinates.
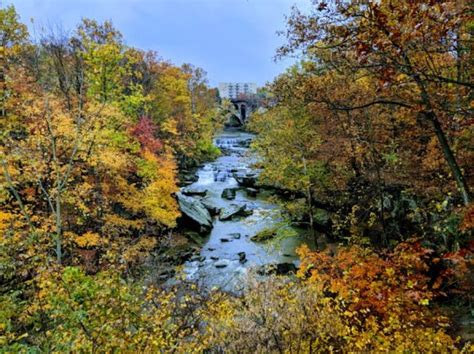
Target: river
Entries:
(229, 253)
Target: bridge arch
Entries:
(243, 112)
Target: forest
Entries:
(366, 145)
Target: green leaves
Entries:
(13, 33)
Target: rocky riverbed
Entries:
(227, 208)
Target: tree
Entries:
(13, 34)
(184, 108)
(408, 48)
(103, 53)
(73, 164)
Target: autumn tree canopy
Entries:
(366, 143)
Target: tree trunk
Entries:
(3, 86)
(58, 240)
(450, 159)
(443, 141)
(311, 219)
(309, 199)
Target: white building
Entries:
(232, 90)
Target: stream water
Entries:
(220, 263)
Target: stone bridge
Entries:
(243, 110)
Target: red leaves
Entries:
(403, 281)
(145, 131)
(468, 222)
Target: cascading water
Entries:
(228, 253)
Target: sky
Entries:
(233, 40)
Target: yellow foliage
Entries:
(6, 220)
(125, 193)
(283, 316)
(106, 314)
(157, 197)
(89, 239)
(115, 225)
(113, 161)
(170, 126)
(140, 249)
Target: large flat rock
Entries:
(234, 210)
(195, 210)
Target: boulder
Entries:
(265, 235)
(278, 269)
(242, 257)
(234, 210)
(182, 257)
(195, 237)
(246, 211)
(165, 275)
(225, 239)
(190, 191)
(251, 192)
(198, 258)
(222, 263)
(195, 211)
(285, 268)
(188, 178)
(244, 143)
(213, 210)
(245, 179)
(228, 193)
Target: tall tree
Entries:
(408, 48)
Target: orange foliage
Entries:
(402, 282)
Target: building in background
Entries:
(232, 90)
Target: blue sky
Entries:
(233, 40)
